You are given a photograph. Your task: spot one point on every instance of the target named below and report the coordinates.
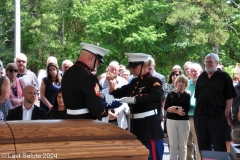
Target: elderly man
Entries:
(28, 76)
(27, 111)
(81, 89)
(214, 95)
(186, 68)
(195, 70)
(114, 68)
(66, 64)
(126, 74)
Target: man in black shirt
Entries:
(214, 95)
(81, 89)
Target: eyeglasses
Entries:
(175, 74)
(209, 62)
(13, 70)
(19, 61)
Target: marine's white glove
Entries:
(108, 98)
(130, 100)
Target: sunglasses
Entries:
(174, 74)
(13, 71)
(19, 61)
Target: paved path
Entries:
(166, 155)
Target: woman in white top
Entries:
(117, 113)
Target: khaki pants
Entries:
(192, 142)
(236, 134)
(178, 131)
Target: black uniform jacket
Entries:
(17, 113)
(81, 89)
(147, 90)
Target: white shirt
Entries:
(121, 118)
(27, 114)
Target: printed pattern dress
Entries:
(5, 106)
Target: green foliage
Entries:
(171, 32)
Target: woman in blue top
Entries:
(49, 86)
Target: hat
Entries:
(135, 59)
(98, 51)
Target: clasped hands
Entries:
(176, 109)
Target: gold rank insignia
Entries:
(156, 84)
(140, 89)
(97, 90)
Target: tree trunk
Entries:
(215, 49)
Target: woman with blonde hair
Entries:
(177, 105)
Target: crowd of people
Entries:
(195, 108)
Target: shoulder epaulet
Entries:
(157, 84)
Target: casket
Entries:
(68, 139)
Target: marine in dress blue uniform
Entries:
(81, 89)
(142, 94)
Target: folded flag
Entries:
(115, 104)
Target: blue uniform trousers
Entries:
(156, 149)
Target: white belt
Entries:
(78, 111)
(144, 114)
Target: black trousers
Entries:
(211, 131)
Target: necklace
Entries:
(179, 94)
(12, 83)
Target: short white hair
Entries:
(126, 70)
(196, 66)
(20, 55)
(114, 64)
(52, 59)
(187, 63)
(213, 55)
(67, 61)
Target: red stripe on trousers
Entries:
(153, 150)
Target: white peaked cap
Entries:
(138, 57)
(100, 52)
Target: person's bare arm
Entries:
(5, 88)
(42, 95)
(227, 111)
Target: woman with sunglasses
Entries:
(169, 86)
(17, 85)
(5, 104)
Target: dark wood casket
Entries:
(68, 139)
